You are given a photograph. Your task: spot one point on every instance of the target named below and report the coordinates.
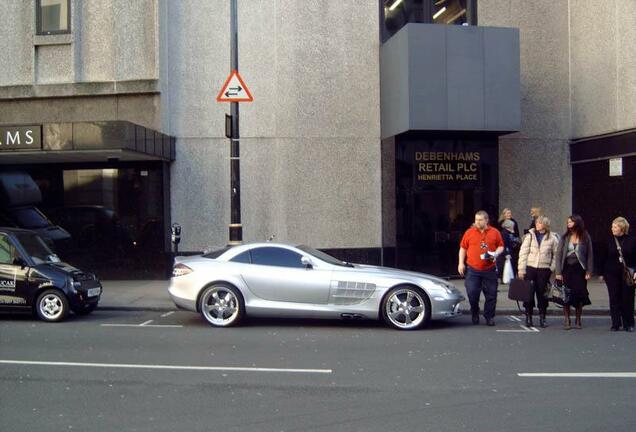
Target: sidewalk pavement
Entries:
(153, 295)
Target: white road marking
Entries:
(580, 375)
(170, 367)
(142, 325)
(514, 318)
(524, 330)
(167, 314)
(146, 323)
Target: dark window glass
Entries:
(53, 16)
(36, 248)
(7, 250)
(242, 258)
(273, 256)
(397, 13)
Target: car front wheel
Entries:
(222, 305)
(406, 308)
(52, 306)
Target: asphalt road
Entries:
(152, 371)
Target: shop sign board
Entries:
(20, 138)
(447, 166)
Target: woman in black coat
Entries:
(621, 296)
(574, 267)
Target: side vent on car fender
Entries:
(349, 292)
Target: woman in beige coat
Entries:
(537, 261)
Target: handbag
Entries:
(628, 275)
(628, 272)
(558, 293)
(521, 290)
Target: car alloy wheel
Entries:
(52, 306)
(221, 305)
(405, 308)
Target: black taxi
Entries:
(33, 278)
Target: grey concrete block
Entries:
(54, 64)
(16, 56)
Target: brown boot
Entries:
(577, 320)
(567, 325)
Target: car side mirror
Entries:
(306, 262)
(19, 261)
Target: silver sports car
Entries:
(281, 280)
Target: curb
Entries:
(500, 311)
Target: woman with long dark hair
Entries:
(574, 265)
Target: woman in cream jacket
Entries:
(537, 261)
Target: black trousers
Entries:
(540, 277)
(621, 299)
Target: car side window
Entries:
(7, 250)
(279, 257)
(242, 258)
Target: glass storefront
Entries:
(440, 182)
(114, 214)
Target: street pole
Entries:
(236, 229)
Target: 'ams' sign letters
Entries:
(20, 138)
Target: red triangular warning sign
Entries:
(234, 90)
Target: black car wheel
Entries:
(51, 306)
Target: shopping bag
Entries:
(508, 273)
(521, 290)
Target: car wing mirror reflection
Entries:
(306, 262)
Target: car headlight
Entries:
(181, 270)
(448, 290)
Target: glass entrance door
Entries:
(440, 183)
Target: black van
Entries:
(32, 277)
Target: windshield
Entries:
(36, 248)
(30, 218)
(323, 256)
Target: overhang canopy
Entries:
(106, 141)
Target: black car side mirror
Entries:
(19, 261)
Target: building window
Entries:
(53, 16)
(397, 13)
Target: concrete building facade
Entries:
(318, 164)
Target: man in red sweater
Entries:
(478, 250)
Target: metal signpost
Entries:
(234, 90)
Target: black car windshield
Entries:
(36, 248)
(30, 218)
(323, 256)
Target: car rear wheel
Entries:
(222, 305)
(406, 308)
(52, 306)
